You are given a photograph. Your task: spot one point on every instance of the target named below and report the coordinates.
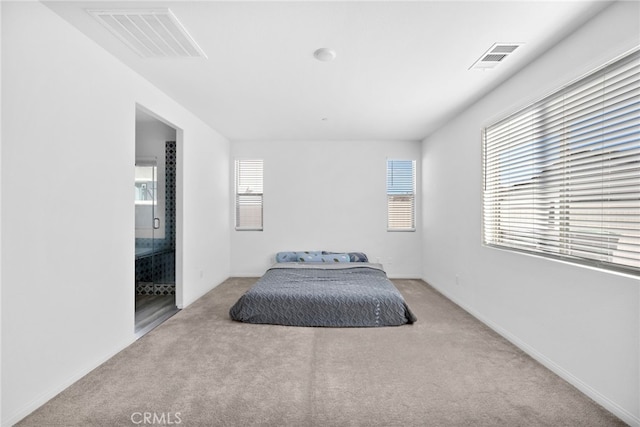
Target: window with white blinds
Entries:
(249, 194)
(562, 177)
(401, 198)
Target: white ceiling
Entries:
(402, 68)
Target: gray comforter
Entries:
(338, 295)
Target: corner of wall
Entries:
(0, 205)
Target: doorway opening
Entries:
(155, 222)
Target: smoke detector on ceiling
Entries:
(495, 56)
(325, 54)
(151, 33)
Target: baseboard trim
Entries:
(599, 398)
(245, 275)
(50, 394)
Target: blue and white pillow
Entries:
(295, 256)
(312, 256)
(353, 256)
(324, 258)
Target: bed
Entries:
(331, 293)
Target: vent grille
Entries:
(495, 55)
(504, 48)
(492, 57)
(151, 33)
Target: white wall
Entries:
(326, 195)
(582, 323)
(1, 117)
(68, 141)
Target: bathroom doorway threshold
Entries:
(151, 311)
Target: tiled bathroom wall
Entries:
(156, 274)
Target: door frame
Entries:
(179, 296)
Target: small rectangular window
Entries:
(562, 176)
(401, 195)
(249, 194)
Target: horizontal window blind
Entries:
(249, 194)
(562, 177)
(401, 185)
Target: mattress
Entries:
(318, 294)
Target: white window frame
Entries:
(249, 194)
(401, 199)
(561, 177)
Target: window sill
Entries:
(571, 263)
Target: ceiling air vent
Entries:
(151, 33)
(492, 57)
(495, 55)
